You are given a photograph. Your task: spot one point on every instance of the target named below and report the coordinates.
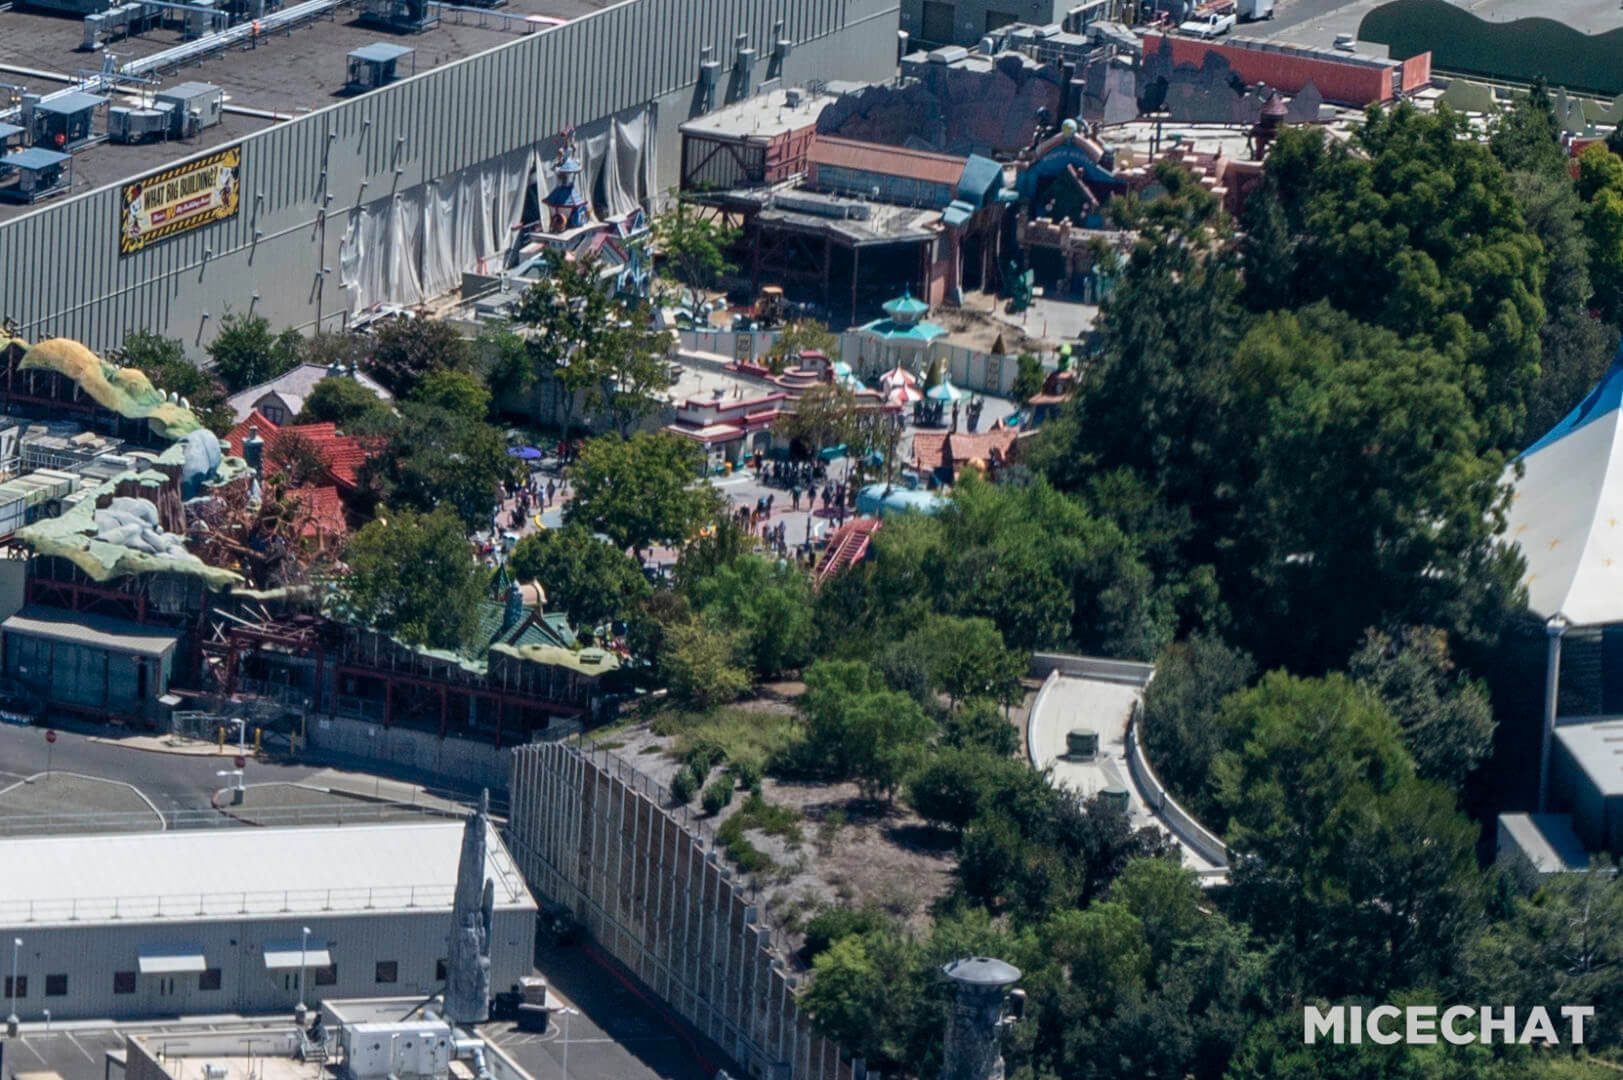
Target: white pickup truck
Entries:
(1208, 26)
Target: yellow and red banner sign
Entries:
(177, 200)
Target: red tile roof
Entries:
(886, 160)
(343, 454)
(929, 450)
(326, 510)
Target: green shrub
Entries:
(748, 771)
(683, 786)
(832, 923)
(704, 755)
(718, 794)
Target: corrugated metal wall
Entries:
(61, 274)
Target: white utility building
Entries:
(228, 920)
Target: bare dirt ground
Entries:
(850, 851)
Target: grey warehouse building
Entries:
(213, 921)
(388, 196)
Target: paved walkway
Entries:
(1104, 706)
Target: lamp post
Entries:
(304, 949)
(12, 1022)
(567, 1012)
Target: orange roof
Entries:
(886, 160)
(326, 510)
(342, 454)
(929, 450)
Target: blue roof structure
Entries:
(956, 213)
(891, 330)
(68, 104)
(981, 179)
(34, 159)
(873, 501)
(1603, 399)
(381, 52)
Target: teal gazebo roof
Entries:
(905, 310)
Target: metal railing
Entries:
(360, 812)
(195, 905)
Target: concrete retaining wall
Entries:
(592, 833)
(1132, 672)
(459, 761)
(1182, 823)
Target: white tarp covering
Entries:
(415, 245)
(288, 956)
(170, 959)
(1567, 511)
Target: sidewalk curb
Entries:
(126, 744)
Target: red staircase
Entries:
(846, 547)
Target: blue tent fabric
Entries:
(1606, 396)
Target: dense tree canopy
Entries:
(413, 576)
(640, 491)
(585, 577)
(246, 352)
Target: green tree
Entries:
(769, 604)
(694, 247)
(501, 358)
(413, 576)
(343, 401)
(966, 658)
(574, 322)
(823, 416)
(163, 361)
(979, 724)
(635, 371)
(804, 335)
(406, 349)
(590, 581)
(1526, 137)
(862, 993)
(1562, 943)
(246, 353)
(1311, 750)
(860, 729)
(1366, 469)
(955, 787)
(1028, 378)
(1446, 721)
(429, 457)
(460, 393)
(1415, 229)
(1165, 897)
(640, 491)
(700, 662)
(1180, 731)
(1600, 186)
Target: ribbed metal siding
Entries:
(61, 274)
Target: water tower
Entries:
(974, 1049)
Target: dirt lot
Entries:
(848, 850)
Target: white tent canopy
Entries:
(1567, 511)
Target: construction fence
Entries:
(591, 832)
(969, 369)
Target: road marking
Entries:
(88, 1055)
(23, 1039)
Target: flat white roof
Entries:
(193, 875)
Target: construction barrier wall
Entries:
(591, 832)
(1350, 80)
(969, 369)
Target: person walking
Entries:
(770, 499)
(794, 493)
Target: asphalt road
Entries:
(171, 781)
